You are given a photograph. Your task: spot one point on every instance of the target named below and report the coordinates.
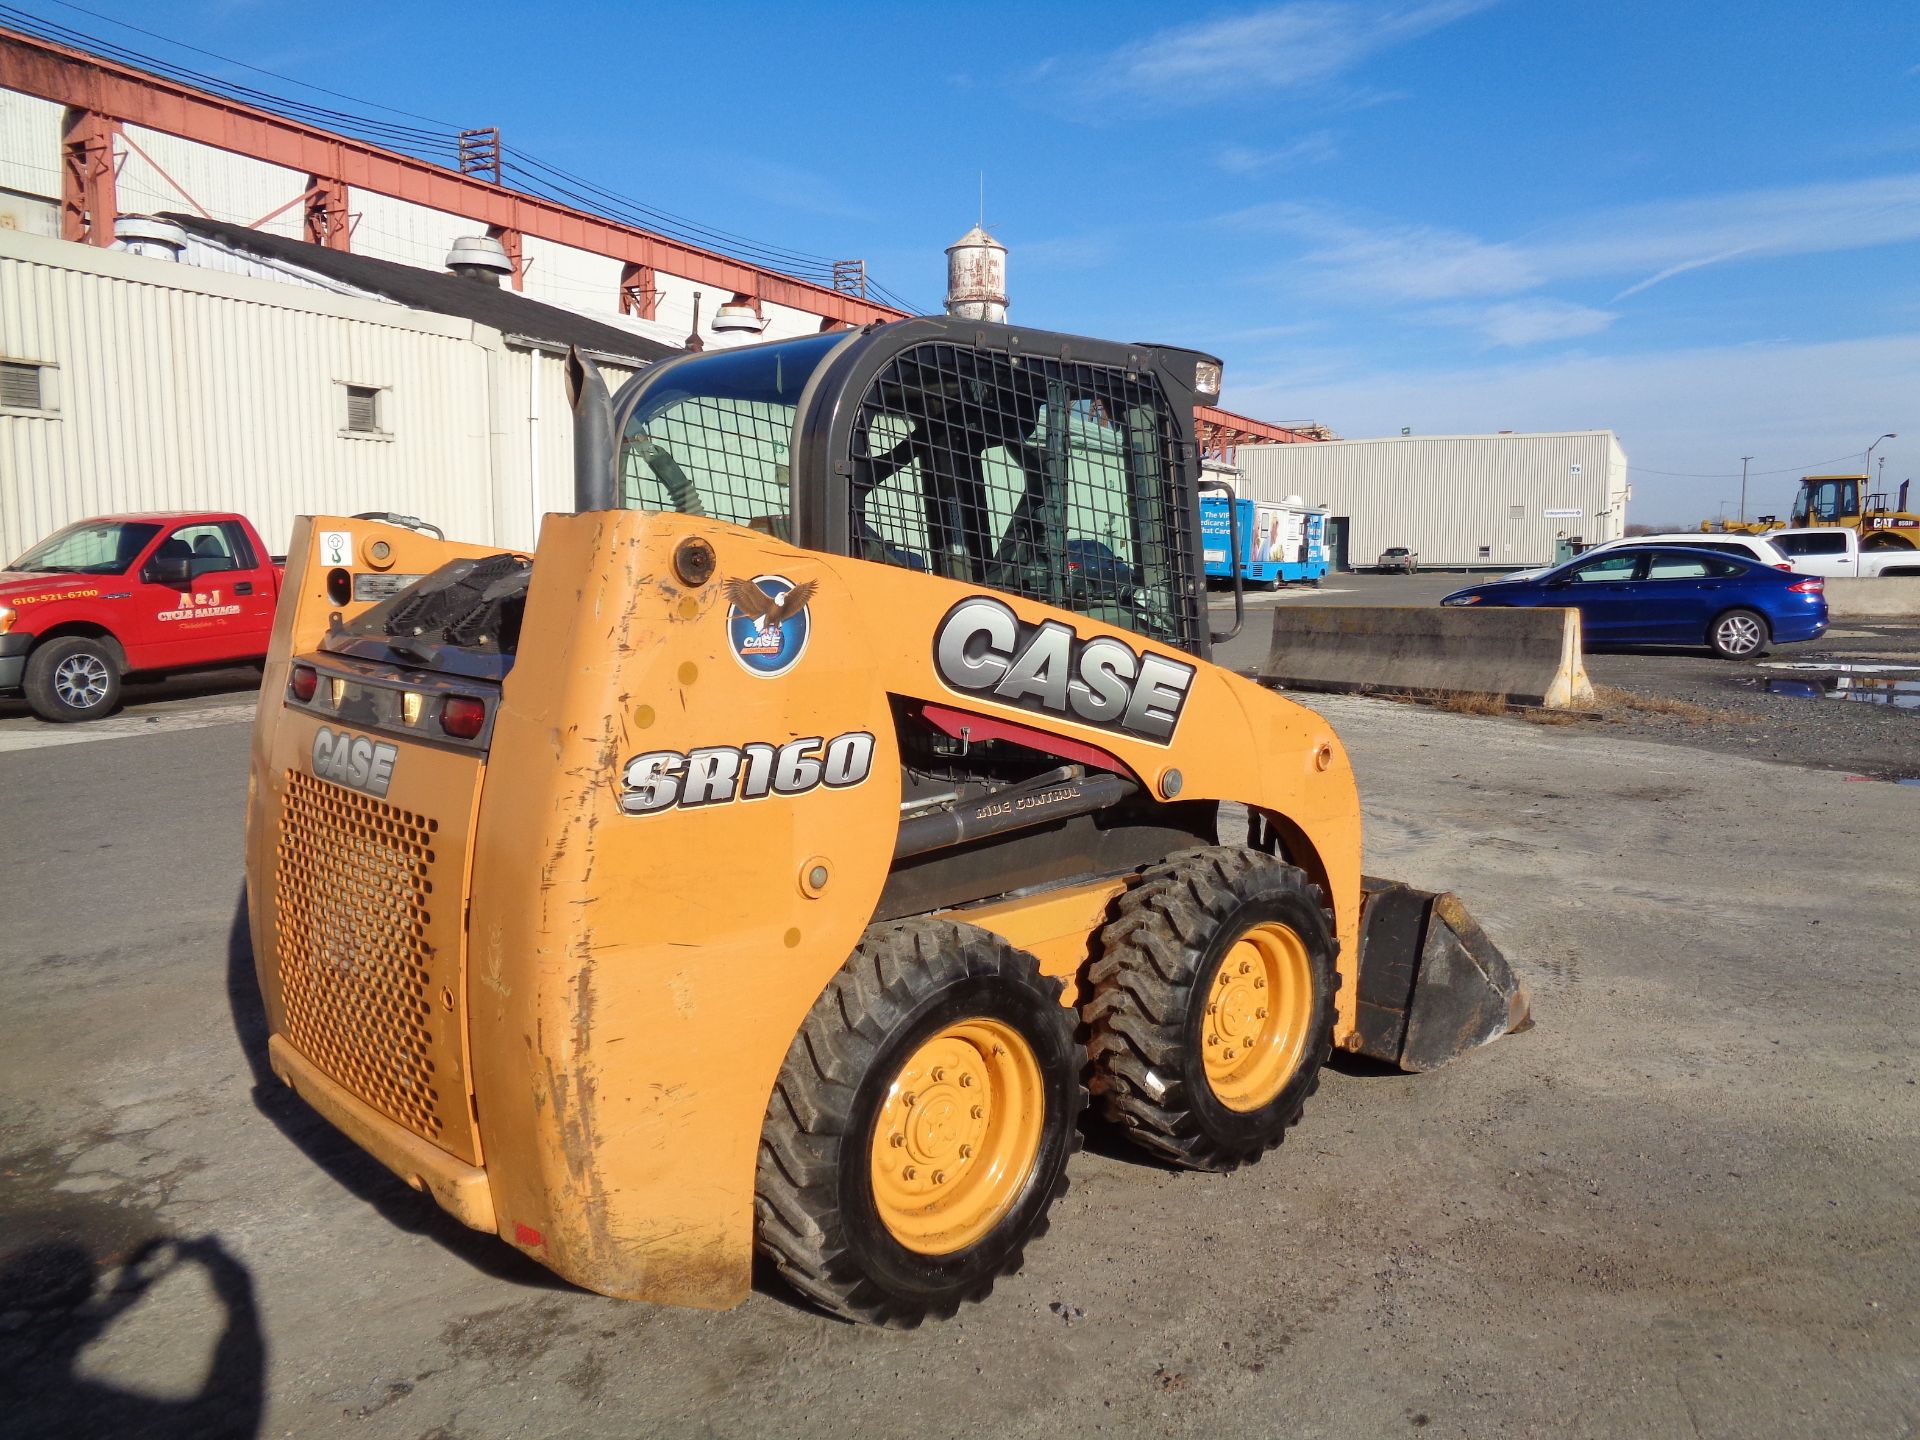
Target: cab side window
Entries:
(211, 548)
(1608, 570)
(1684, 567)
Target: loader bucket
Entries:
(1432, 986)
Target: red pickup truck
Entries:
(126, 594)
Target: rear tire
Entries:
(1738, 635)
(73, 678)
(1187, 1058)
(920, 1128)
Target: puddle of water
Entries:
(1861, 689)
(1830, 667)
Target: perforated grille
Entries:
(1052, 479)
(354, 880)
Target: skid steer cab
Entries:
(781, 854)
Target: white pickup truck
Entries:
(1835, 550)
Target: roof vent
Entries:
(145, 235)
(741, 313)
(479, 257)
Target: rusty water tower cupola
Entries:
(977, 277)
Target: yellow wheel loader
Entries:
(780, 855)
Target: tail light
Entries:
(1812, 585)
(463, 717)
(305, 681)
(1782, 565)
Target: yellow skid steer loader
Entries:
(780, 854)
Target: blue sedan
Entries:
(1671, 595)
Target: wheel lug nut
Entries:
(978, 1113)
(907, 1100)
(939, 1177)
(966, 1081)
(910, 1173)
(1213, 1039)
(966, 1152)
(897, 1141)
(1229, 1054)
(1211, 1007)
(1246, 967)
(939, 1072)
(1261, 1012)
(1259, 982)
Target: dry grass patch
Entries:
(1456, 702)
(1619, 704)
(1480, 703)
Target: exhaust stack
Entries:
(594, 483)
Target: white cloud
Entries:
(1279, 47)
(1059, 253)
(1313, 149)
(1515, 323)
(1695, 411)
(1396, 262)
(1646, 243)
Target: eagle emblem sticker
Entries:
(768, 623)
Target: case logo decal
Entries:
(354, 760)
(721, 774)
(768, 622)
(982, 648)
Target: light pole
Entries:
(1871, 448)
(1743, 487)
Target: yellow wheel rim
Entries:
(1259, 1006)
(957, 1136)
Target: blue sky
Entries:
(1695, 223)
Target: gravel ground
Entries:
(1682, 1204)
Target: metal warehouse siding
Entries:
(1448, 497)
(178, 388)
(30, 144)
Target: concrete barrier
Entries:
(1885, 597)
(1532, 657)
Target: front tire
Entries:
(919, 1130)
(1212, 1006)
(1738, 635)
(73, 678)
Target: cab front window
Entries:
(713, 434)
(92, 547)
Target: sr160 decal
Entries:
(720, 774)
(983, 648)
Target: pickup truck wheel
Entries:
(1738, 635)
(919, 1130)
(1212, 1006)
(72, 678)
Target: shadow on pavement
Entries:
(346, 1163)
(58, 1299)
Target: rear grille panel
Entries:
(362, 998)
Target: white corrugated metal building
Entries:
(1459, 501)
(158, 385)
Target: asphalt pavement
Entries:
(1682, 1204)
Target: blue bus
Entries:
(1281, 542)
